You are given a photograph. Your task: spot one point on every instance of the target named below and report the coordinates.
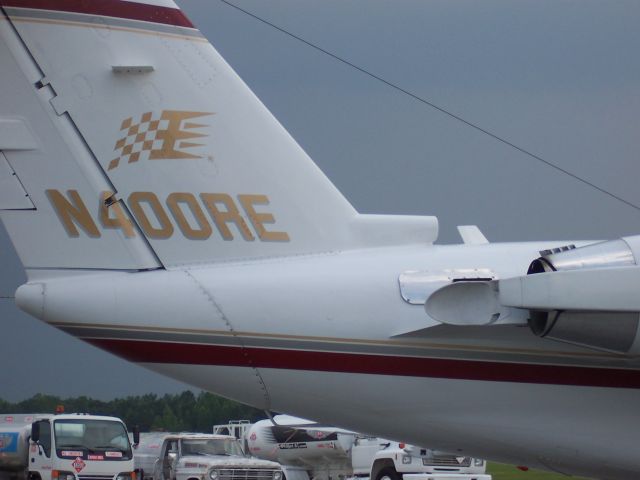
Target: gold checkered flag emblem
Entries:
(164, 136)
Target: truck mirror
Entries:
(35, 432)
(136, 435)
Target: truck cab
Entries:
(380, 459)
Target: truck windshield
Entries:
(93, 439)
(211, 446)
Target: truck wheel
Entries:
(388, 474)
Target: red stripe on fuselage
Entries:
(197, 354)
(108, 8)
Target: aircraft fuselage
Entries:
(330, 337)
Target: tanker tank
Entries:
(15, 431)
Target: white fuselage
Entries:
(330, 337)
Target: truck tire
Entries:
(388, 473)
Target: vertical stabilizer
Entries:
(142, 148)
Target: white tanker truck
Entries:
(305, 449)
(64, 447)
(309, 451)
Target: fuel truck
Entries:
(64, 447)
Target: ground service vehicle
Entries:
(379, 459)
(164, 215)
(65, 447)
(307, 450)
(189, 456)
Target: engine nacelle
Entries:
(609, 329)
(613, 253)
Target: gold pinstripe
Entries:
(343, 341)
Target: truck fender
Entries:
(379, 465)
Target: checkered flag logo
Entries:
(163, 136)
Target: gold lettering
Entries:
(165, 230)
(174, 200)
(73, 213)
(231, 214)
(144, 206)
(259, 219)
(119, 220)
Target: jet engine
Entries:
(587, 296)
(611, 325)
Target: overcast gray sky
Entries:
(560, 79)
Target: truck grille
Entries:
(245, 474)
(95, 477)
(450, 461)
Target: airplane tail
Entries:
(128, 143)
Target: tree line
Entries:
(183, 412)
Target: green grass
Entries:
(500, 471)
